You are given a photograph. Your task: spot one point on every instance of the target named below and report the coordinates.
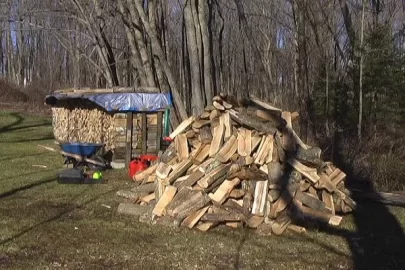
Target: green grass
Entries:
(45, 225)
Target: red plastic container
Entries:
(139, 164)
(148, 158)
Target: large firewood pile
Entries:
(240, 163)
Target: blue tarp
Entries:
(136, 102)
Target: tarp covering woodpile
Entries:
(118, 102)
(240, 164)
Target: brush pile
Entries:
(240, 163)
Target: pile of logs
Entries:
(240, 163)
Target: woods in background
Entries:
(340, 63)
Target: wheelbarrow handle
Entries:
(80, 158)
(75, 156)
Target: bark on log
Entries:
(179, 171)
(133, 209)
(254, 221)
(133, 196)
(163, 170)
(169, 154)
(196, 201)
(381, 197)
(309, 201)
(146, 188)
(210, 178)
(192, 179)
(205, 135)
(310, 157)
(223, 217)
(246, 120)
(319, 215)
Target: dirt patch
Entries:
(5, 261)
(40, 209)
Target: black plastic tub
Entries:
(71, 176)
(89, 180)
(76, 176)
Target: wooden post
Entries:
(159, 131)
(128, 142)
(144, 134)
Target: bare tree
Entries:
(192, 45)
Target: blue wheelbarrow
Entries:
(83, 154)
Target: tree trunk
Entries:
(157, 49)
(10, 54)
(348, 23)
(156, 63)
(105, 46)
(135, 56)
(359, 127)
(250, 37)
(101, 44)
(146, 62)
(198, 38)
(194, 58)
(207, 75)
(76, 59)
(19, 68)
(221, 53)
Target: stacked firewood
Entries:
(240, 163)
(81, 121)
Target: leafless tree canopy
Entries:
(317, 57)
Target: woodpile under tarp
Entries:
(78, 120)
(240, 163)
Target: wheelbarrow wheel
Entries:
(96, 167)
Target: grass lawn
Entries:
(45, 225)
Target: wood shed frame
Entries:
(144, 129)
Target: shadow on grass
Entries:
(16, 124)
(18, 120)
(19, 156)
(58, 216)
(46, 137)
(19, 189)
(27, 174)
(379, 240)
(241, 244)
